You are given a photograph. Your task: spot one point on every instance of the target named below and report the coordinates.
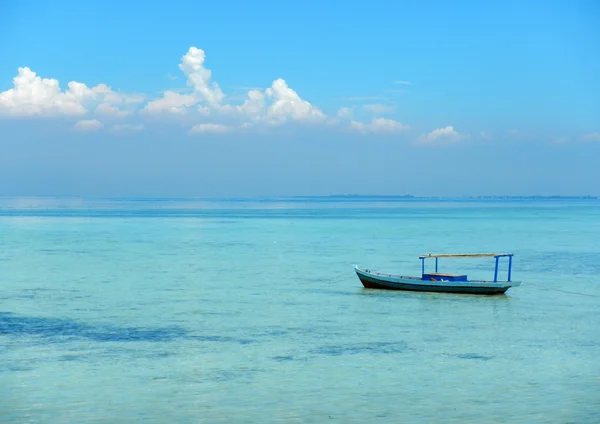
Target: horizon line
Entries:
(324, 196)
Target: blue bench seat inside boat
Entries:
(438, 276)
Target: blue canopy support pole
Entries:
(509, 266)
(436, 259)
(422, 266)
(496, 270)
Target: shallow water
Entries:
(196, 311)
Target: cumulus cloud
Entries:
(275, 105)
(447, 133)
(88, 125)
(254, 105)
(279, 104)
(171, 103)
(204, 93)
(210, 128)
(287, 105)
(198, 77)
(201, 102)
(32, 95)
(379, 125)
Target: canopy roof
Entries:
(464, 255)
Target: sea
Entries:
(249, 311)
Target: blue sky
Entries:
(306, 98)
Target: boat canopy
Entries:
(465, 255)
(469, 255)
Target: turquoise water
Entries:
(226, 311)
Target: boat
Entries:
(440, 282)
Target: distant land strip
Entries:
(408, 196)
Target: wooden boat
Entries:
(440, 282)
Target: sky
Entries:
(264, 98)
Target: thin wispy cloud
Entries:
(378, 108)
(361, 98)
(345, 112)
(88, 125)
(245, 88)
(591, 137)
(402, 82)
(379, 125)
(440, 135)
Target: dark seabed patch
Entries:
(15, 367)
(71, 358)
(60, 330)
(270, 332)
(371, 348)
(222, 339)
(473, 356)
(283, 358)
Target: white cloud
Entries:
(201, 102)
(204, 93)
(210, 128)
(402, 82)
(275, 105)
(255, 105)
(88, 125)
(287, 105)
(117, 98)
(447, 133)
(592, 137)
(378, 109)
(32, 95)
(192, 65)
(170, 103)
(379, 125)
